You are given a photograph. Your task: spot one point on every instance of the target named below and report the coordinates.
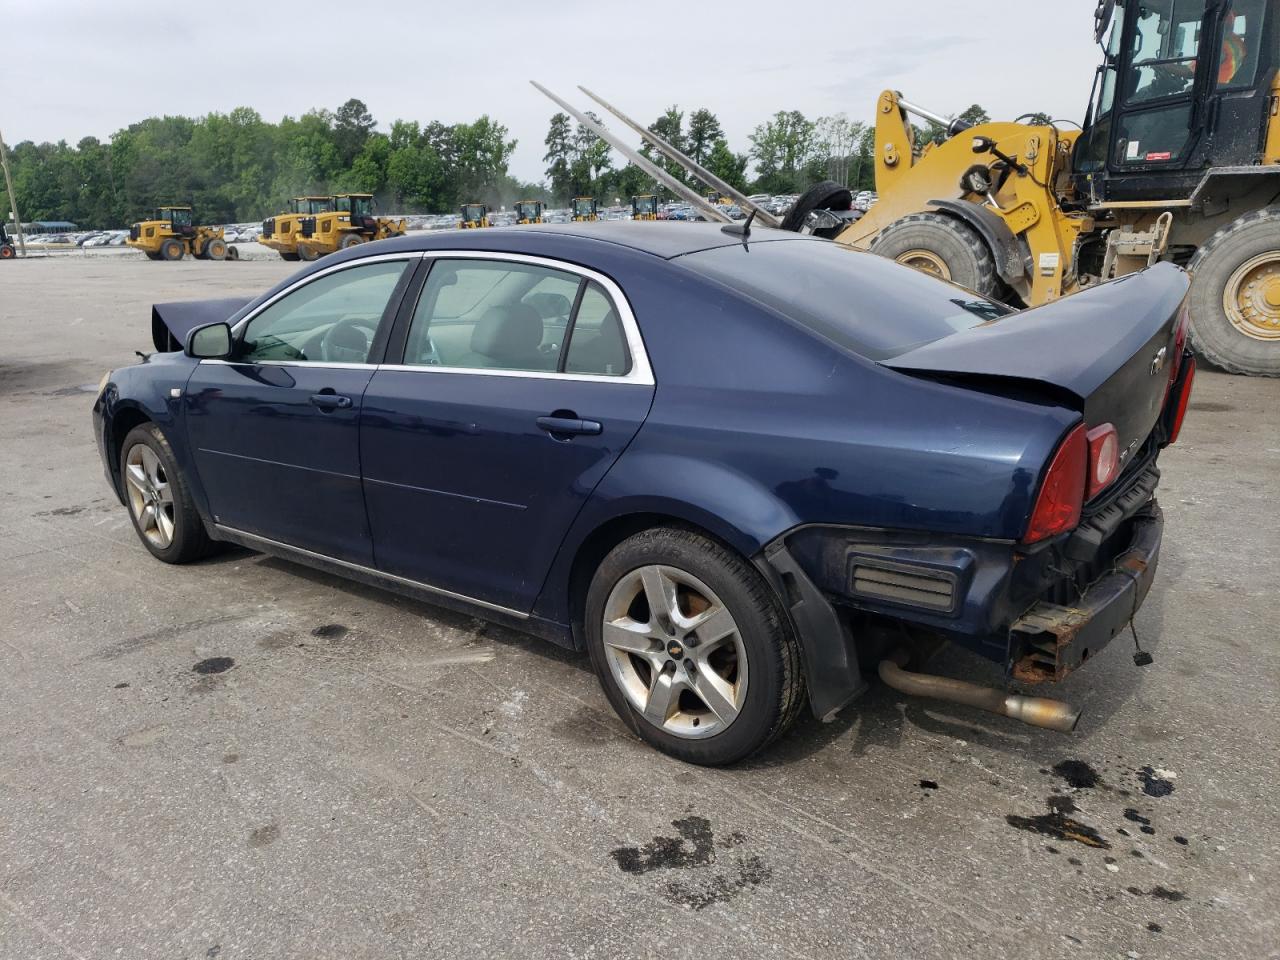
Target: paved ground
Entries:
(376, 778)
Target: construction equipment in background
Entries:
(7, 250)
(171, 234)
(529, 211)
(644, 207)
(1178, 159)
(473, 216)
(281, 232)
(584, 208)
(351, 221)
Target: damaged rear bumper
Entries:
(1054, 640)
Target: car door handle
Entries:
(330, 401)
(570, 426)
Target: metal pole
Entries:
(699, 171)
(13, 200)
(652, 169)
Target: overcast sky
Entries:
(90, 67)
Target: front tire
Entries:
(943, 247)
(691, 647)
(1235, 296)
(160, 504)
(216, 249)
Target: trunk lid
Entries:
(1108, 351)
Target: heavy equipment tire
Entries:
(824, 195)
(233, 253)
(151, 256)
(349, 241)
(943, 247)
(735, 690)
(1235, 295)
(160, 504)
(291, 257)
(307, 254)
(171, 249)
(216, 249)
(7, 252)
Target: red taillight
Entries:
(1104, 458)
(1061, 495)
(1183, 398)
(1179, 345)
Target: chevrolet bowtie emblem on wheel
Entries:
(674, 650)
(1157, 362)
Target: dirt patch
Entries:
(213, 665)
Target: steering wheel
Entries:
(345, 342)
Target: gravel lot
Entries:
(374, 777)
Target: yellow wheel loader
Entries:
(282, 231)
(473, 216)
(584, 208)
(529, 211)
(644, 207)
(350, 221)
(171, 235)
(1178, 159)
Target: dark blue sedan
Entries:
(741, 469)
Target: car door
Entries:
(275, 429)
(519, 383)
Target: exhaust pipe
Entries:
(1036, 711)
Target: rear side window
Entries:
(597, 344)
(859, 301)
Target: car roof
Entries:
(657, 237)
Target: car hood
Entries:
(171, 322)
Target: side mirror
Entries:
(210, 342)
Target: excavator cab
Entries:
(584, 208)
(1184, 85)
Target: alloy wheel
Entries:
(675, 651)
(150, 496)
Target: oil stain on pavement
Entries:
(694, 847)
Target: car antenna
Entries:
(742, 230)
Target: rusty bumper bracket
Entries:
(1055, 640)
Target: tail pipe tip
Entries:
(1036, 711)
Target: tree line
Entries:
(237, 167)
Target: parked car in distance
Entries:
(738, 470)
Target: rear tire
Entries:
(1235, 296)
(160, 504)
(151, 256)
(735, 690)
(307, 254)
(7, 252)
(942, 247)
(349, 241)
(824, 195)
(171, 250)
(291, 257)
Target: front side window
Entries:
(332, 319)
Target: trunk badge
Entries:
(1157, 362)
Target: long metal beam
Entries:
(692, 166)
(639, 159)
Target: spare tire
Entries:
(823, 195)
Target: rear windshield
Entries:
(859, 301)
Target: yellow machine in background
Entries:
(474, 216)
(282, 231)
(584, 208)
(351, 221)
(644, 207)
(1178, 159)
(171, 235)
(529, 211)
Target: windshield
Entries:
(862, 302)
(320, 206)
